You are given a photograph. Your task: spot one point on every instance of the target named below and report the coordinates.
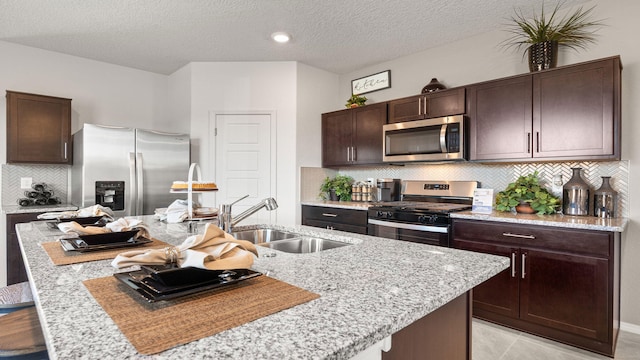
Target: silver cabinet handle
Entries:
(348, 159)
(329, 215)
(513, 264)
(519, 236)
(353, 154)
(524, 259)
(329, 227)
(420, 106)
(65, 150)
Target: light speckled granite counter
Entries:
(353, 205)
(17, 209)
(557, 220)
(369, 290)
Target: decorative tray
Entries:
(165, 282)
(106, 241)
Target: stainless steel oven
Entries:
(422, 216)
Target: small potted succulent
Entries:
(355, 101)
(337, 188)
(526, 195)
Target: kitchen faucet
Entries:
(227, 222)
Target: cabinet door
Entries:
(16, 271)
(38, 129)
(574, 112)
(336, 138)
(500, 294)
(500, 119)
(367, 133)
(567, 292)
(445, 103)
(406, 109)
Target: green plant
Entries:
(355, 101)
(341, 184)
(527, 189)
(574, 31)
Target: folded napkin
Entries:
(122, 224)
(213, 250)
(95, 210)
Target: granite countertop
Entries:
(17, 209)
(558, 220)
(369, 290)
(353, 205)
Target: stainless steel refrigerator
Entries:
(128, 170)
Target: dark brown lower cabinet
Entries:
(349, 220)
(443, 334)
(16, 271)
(563, 284)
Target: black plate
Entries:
(78, 244)
(109, 238)
(149, 280)
(84, 221)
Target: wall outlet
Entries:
(25, 182)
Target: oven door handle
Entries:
(397, 225)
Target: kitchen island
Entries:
(368, 291)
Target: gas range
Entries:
(423, 213)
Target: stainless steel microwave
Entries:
(438, 139)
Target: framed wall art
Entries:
(375, 82)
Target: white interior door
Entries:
(245, 162)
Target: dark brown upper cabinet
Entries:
(429, 105)
(566, 113)
(353, 136)
(38, 129)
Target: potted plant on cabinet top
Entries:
(338, 188)
(355, 101)
(542, 35)
(527, 196)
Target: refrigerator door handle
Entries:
(140, 184)
(130, 206)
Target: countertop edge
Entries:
(17, 209)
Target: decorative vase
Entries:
(575, 195)
(434, 85)
(605, 200)
(332, 195)
(525, 208)
(543, 55)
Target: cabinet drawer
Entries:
(576, 241)
(335, 226)
(335, 215)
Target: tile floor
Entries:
(494, 342)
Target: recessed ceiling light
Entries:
(280, 37)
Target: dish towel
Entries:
(95, 210)
(213, 250)
(122, 224)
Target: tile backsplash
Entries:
(492, 176)
(55, 176)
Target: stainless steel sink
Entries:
(303, 245)
(259, 236)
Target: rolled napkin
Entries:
(177, 212)
(121, 224)
(213, 250)
(95, 210)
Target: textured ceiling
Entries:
(336, 35)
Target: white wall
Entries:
(316, 93)
(481, 58)
(248, 86)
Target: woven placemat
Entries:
(154, 327)
(60, 257)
